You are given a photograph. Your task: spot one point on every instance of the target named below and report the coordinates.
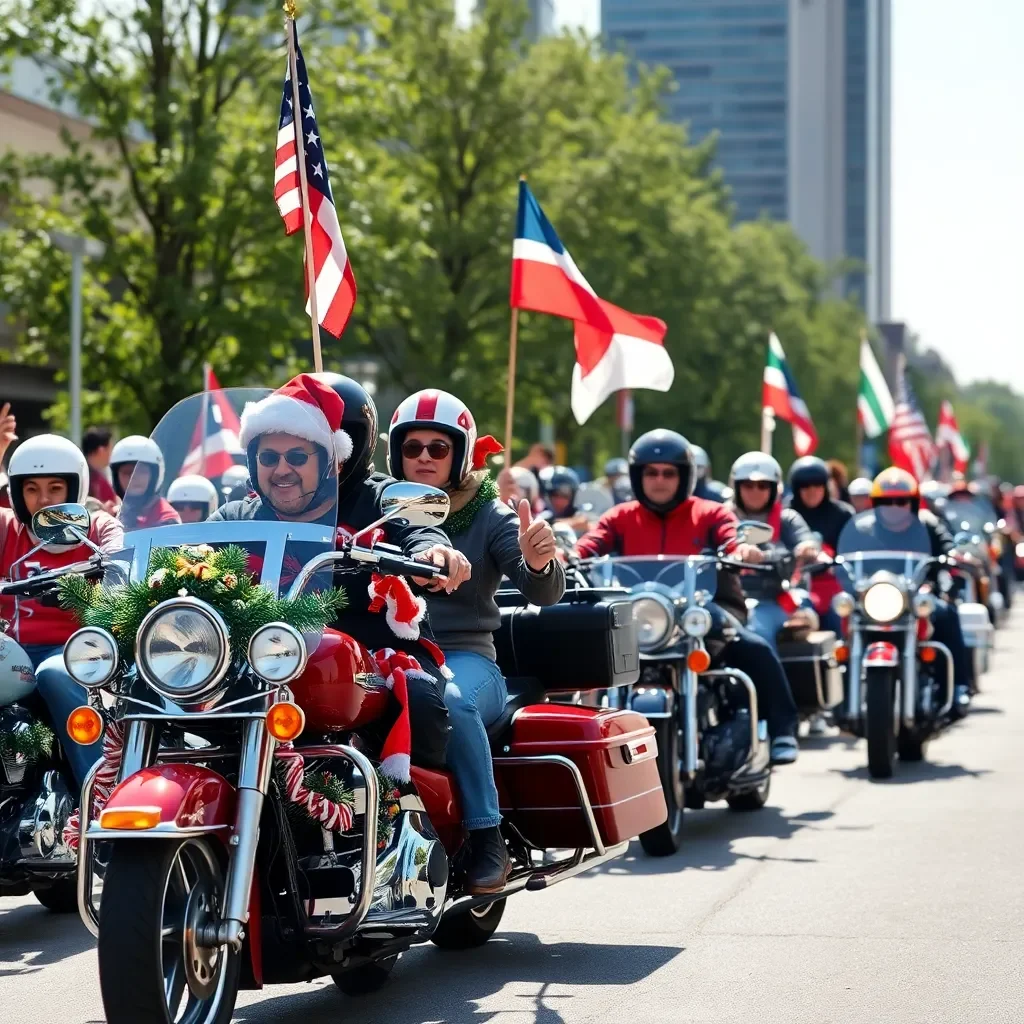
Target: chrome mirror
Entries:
(417, 504)
(66, 525)
(752, 532)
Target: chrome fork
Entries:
(910, 676)
(853, 704)
(690, 723)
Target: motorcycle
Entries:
(253, 839)
(712, 743)
(899, 681)
(977, 531)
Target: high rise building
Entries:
(798, 92)
(540, 21)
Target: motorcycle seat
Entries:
(522, 691)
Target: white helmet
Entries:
(755, 467)
(194, 490)
(137, 448)
(861, 488)
(47, 455)
(701, 462)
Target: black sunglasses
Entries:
(652, 473)
(437, 450)
(294, 457)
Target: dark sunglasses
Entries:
(437, 450)
(650, 473)
(896, 502)
(294, 457)
(758, 485)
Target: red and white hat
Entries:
(304, 407)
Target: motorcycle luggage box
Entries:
(813, 672)
(587, 641)
(616, 754)
(976, 624)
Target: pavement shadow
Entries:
(432, 985)
(840, 740)
(920, 771)
(984, 710)
(32, 938)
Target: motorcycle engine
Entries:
(726, 745)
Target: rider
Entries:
(860, 494)
(49, 470)
(234, 484)
(137, 465)
(705, 487)
(666, 519)
(433, 440)
(616, 480)
(194, 498)
(559, 486)
(896, 497)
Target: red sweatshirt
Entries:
(158, 512)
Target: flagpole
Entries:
(767, 429)
(858, 433)
(510, 398)
(206, 418)
(291, 10)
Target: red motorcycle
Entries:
(246, 835)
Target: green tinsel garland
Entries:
(459, 522)
(218, 578)
(34, 742)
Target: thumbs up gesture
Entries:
(536, 539)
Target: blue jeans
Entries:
(475, 697)
(766, 620)
(62, 695)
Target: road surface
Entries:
(843, 902)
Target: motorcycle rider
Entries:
(433, 440)
(616, 480)
(137, 466)
(860, 494)
(193, 497)
(705, 487)
(667, 519)
(49, 470)
(234, 484)
(559, 486)
(896, 498)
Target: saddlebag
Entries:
(616, 754)
(813, 672)
(585, 642)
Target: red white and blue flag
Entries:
(910, 441)
(335, 281)
(614, 349)
(215, 438)
(779, 393)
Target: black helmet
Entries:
(560, 480)
(662, 446)
(359, 421)
(809, 471)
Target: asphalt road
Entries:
(842, 902)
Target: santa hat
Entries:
(404, 612)
(304, 407)
(396, 753)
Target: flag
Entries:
(910, 441)
(981, 460)
(614, 349)
(875, 406)
(947, 435)
(215, 438)
(335, 281)
(779, 393)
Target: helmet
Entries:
(860, 487)
(234, 483)
(359, 421)
(809, 471)
(662, 446)
(616, 467)
(136, 448)
(559, 480)
(526, 481)
(435, 410)
(894, 484)
(755, 467)
(47, 455)
(194, 490)
(701, 462)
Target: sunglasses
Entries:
(758, 485)
(437, 450)
(650, 473)
(294, 457)
(896, 502)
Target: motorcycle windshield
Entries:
(676, 573)
(869, 544)
(963, 516)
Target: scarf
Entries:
(475, 491)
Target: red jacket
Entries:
(100, 487)
(158, 512)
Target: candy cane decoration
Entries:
(333, 817)
(106, 778)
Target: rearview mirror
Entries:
(65, 525)
(417, 504)
(752, 532)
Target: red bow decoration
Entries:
(484, 448)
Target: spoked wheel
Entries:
(666, 838)
(469, 929)
(158, 898)
(882, 725)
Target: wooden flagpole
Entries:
(206, 418)
(510, 397)
(291, 10)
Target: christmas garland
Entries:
(218, 578)
(459, 522)
(33, 743)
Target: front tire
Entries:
(881, 724)
(911, 747)
(157, 895)
(61, 897)
(469, 929)
(666, 838)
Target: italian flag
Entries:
(874, 403)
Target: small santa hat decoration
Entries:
(396, 753)
(404, 610)
(304, 407)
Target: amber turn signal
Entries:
(85, 725)
(130, 817)
(698, 660)
(928, 654)
(285, 721)
(842, 653)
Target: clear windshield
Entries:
(969, 515)
(872, 542)
(680, 574)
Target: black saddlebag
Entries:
(813, 672)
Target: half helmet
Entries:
(895, 484)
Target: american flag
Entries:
(910, 441)
(335, 282)
(215, 438)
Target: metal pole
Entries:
(77, 260)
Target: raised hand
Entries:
(8, 428)
(536, 539)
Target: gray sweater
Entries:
(465, 620)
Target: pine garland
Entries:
(459, 522)
(218, 578)
(34, 742)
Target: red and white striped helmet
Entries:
(435, 410)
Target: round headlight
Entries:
(654, 618)
(90, 656)
(696, 622)
(924, 605)
(277, 653)
(182, 649)
(843, 604)
(884, 602)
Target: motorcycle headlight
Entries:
(696, 622)
(843, 605)
(182, 649)
(277, 653)
(884, 602)
(924, 605)
(654, 617)
(90, 656)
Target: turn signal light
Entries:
(928, 654)
(130, 817)
(698, 660)
(85, 725)
(285, 721)
(842, 653)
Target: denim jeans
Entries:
(766, 620)
(62, 695)
(475, 697)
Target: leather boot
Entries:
(489, 865)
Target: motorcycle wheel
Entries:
(910, 746)
(469, 929)
(61, 897)
(157, 895)
(361, 981)
(751, 799)
(666, 838)
(882, 721)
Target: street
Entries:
(842, 902)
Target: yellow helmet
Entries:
(895, 484)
